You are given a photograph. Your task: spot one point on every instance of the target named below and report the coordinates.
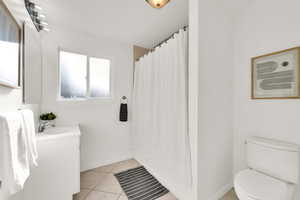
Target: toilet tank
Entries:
(275, 158)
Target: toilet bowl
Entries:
(252, 185)
(272, 172)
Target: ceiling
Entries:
(128, 21)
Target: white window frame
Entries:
(110, 97)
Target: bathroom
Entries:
(94, 140)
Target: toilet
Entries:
(272, 172)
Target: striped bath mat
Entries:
(139, 184)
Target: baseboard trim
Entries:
(226, 188)
(93, 165)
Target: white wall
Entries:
(193, 88)
(105, 139)
(215, 107)
(11, 100)
(263, 27)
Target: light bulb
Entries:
(41, 16)
(37, 7)
(44, 23)
(45, 29)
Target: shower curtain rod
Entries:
(165, 40)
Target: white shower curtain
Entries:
(160, 113)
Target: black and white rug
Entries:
(139, 184)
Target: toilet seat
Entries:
(252, 185)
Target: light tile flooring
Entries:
(100, 183)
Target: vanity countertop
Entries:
(59, 132)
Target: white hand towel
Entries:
(15, 153)
(28, 120)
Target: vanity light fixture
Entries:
(33, 6)
(158, 3)
(37, 18)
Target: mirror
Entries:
(10, 40)
(32, 65)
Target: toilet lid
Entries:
(258, 186)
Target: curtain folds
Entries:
(160, 112)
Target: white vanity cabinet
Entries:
(58, 173)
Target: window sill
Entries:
(94, 99)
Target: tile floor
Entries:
(100, 183)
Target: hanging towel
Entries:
(15, 163)
(123, 112)
(28, 120)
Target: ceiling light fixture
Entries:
(157, 3)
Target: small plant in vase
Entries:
(48, 118)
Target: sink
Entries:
(58, 132)
(58, 170)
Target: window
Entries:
(82, 76)
(99, 77)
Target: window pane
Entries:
(73, 71)
(99, 77)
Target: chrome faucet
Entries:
(43, 125)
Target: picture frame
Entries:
(10, 49)
(276, 75)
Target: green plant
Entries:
(48, 116)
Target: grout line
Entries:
(101, 172)
(86, 195)
(112, 171)
(118, 195)
(98, 190)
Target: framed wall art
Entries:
(276, 75)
